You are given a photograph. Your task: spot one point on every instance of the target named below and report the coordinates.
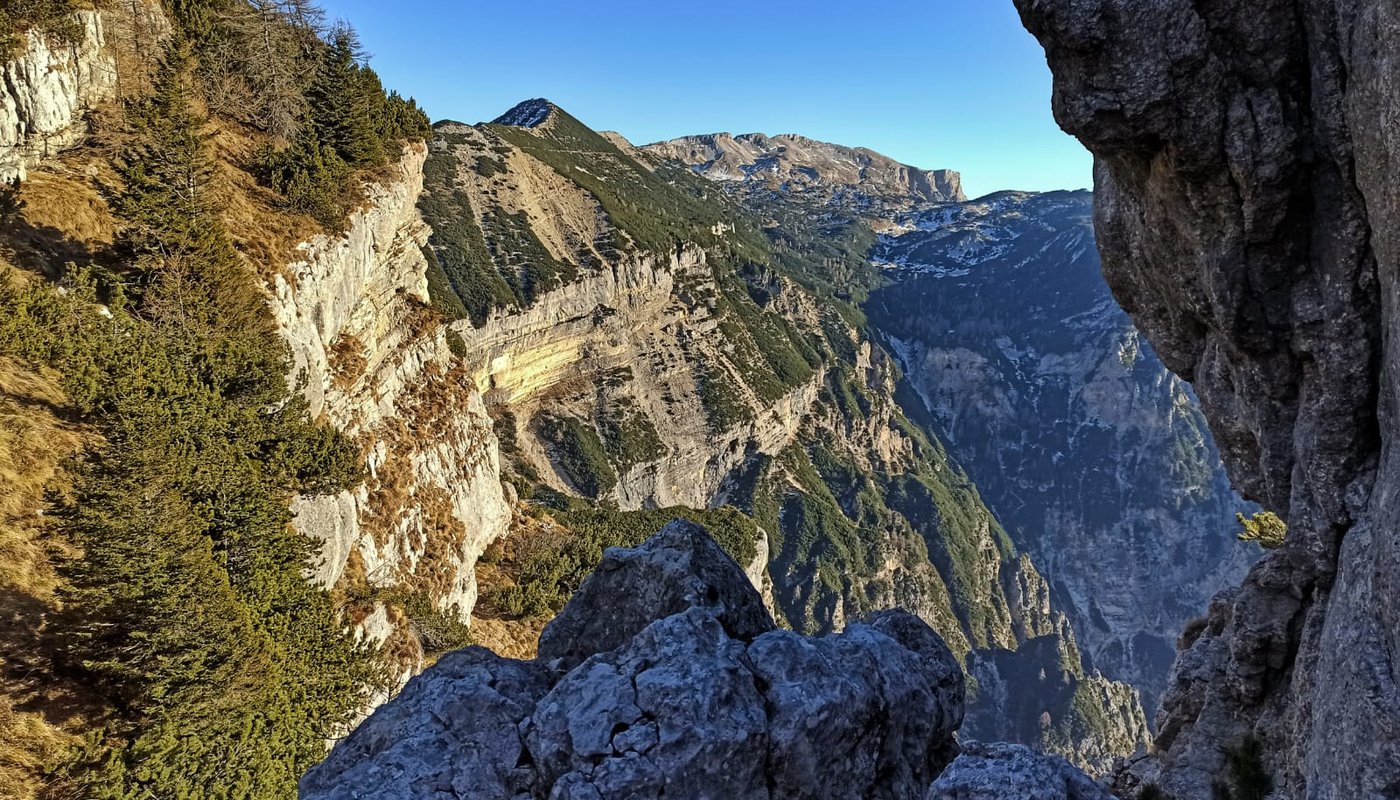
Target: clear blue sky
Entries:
(935, 83)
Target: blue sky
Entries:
(940, 83)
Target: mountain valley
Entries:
(356, 393)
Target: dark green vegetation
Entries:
(1245, 777)
(53, 18)
(208, 666)
(276, 66)
(487, 259)
(628, 435)
(833, 520)
(655, 210)
(352, 124)
(592, 453)
(578, 452)
(510, 270)
(462, 278)
(548, 564)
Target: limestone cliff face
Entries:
(375, 360)
(627, 336)
(1247, 209)
(50, 85)
(629, 341)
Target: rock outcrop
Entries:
(1005, 771)
(373, 357)
(51, 83)
(706, 700)
(1249, 218)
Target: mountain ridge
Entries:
(810, 168)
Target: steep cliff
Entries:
(374, 359)
(53, 80)
(1246, 211)
(1096, 459)
(644, 342)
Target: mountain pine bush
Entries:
(218, 670)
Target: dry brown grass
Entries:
(65, 217)
(29, 749)
(390, 487)
(265, 232)
(504, 634)
(347, 361)
(444, 535)
(34, 444)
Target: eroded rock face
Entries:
(50, 84)
(370, 354)
(706, 700)
(1247, 202)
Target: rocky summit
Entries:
(791, 165)
(687, 692)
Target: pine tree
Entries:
(343, 102)
(189, 608)
(164, 199)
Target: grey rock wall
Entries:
(1247, 205)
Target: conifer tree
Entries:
(343, 102)
(189, 608)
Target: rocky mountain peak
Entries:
(789, 164)
(531, 113)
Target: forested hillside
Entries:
(160, 639)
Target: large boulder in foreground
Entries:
(664, 677)
(1005, 771)
(680, 567)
